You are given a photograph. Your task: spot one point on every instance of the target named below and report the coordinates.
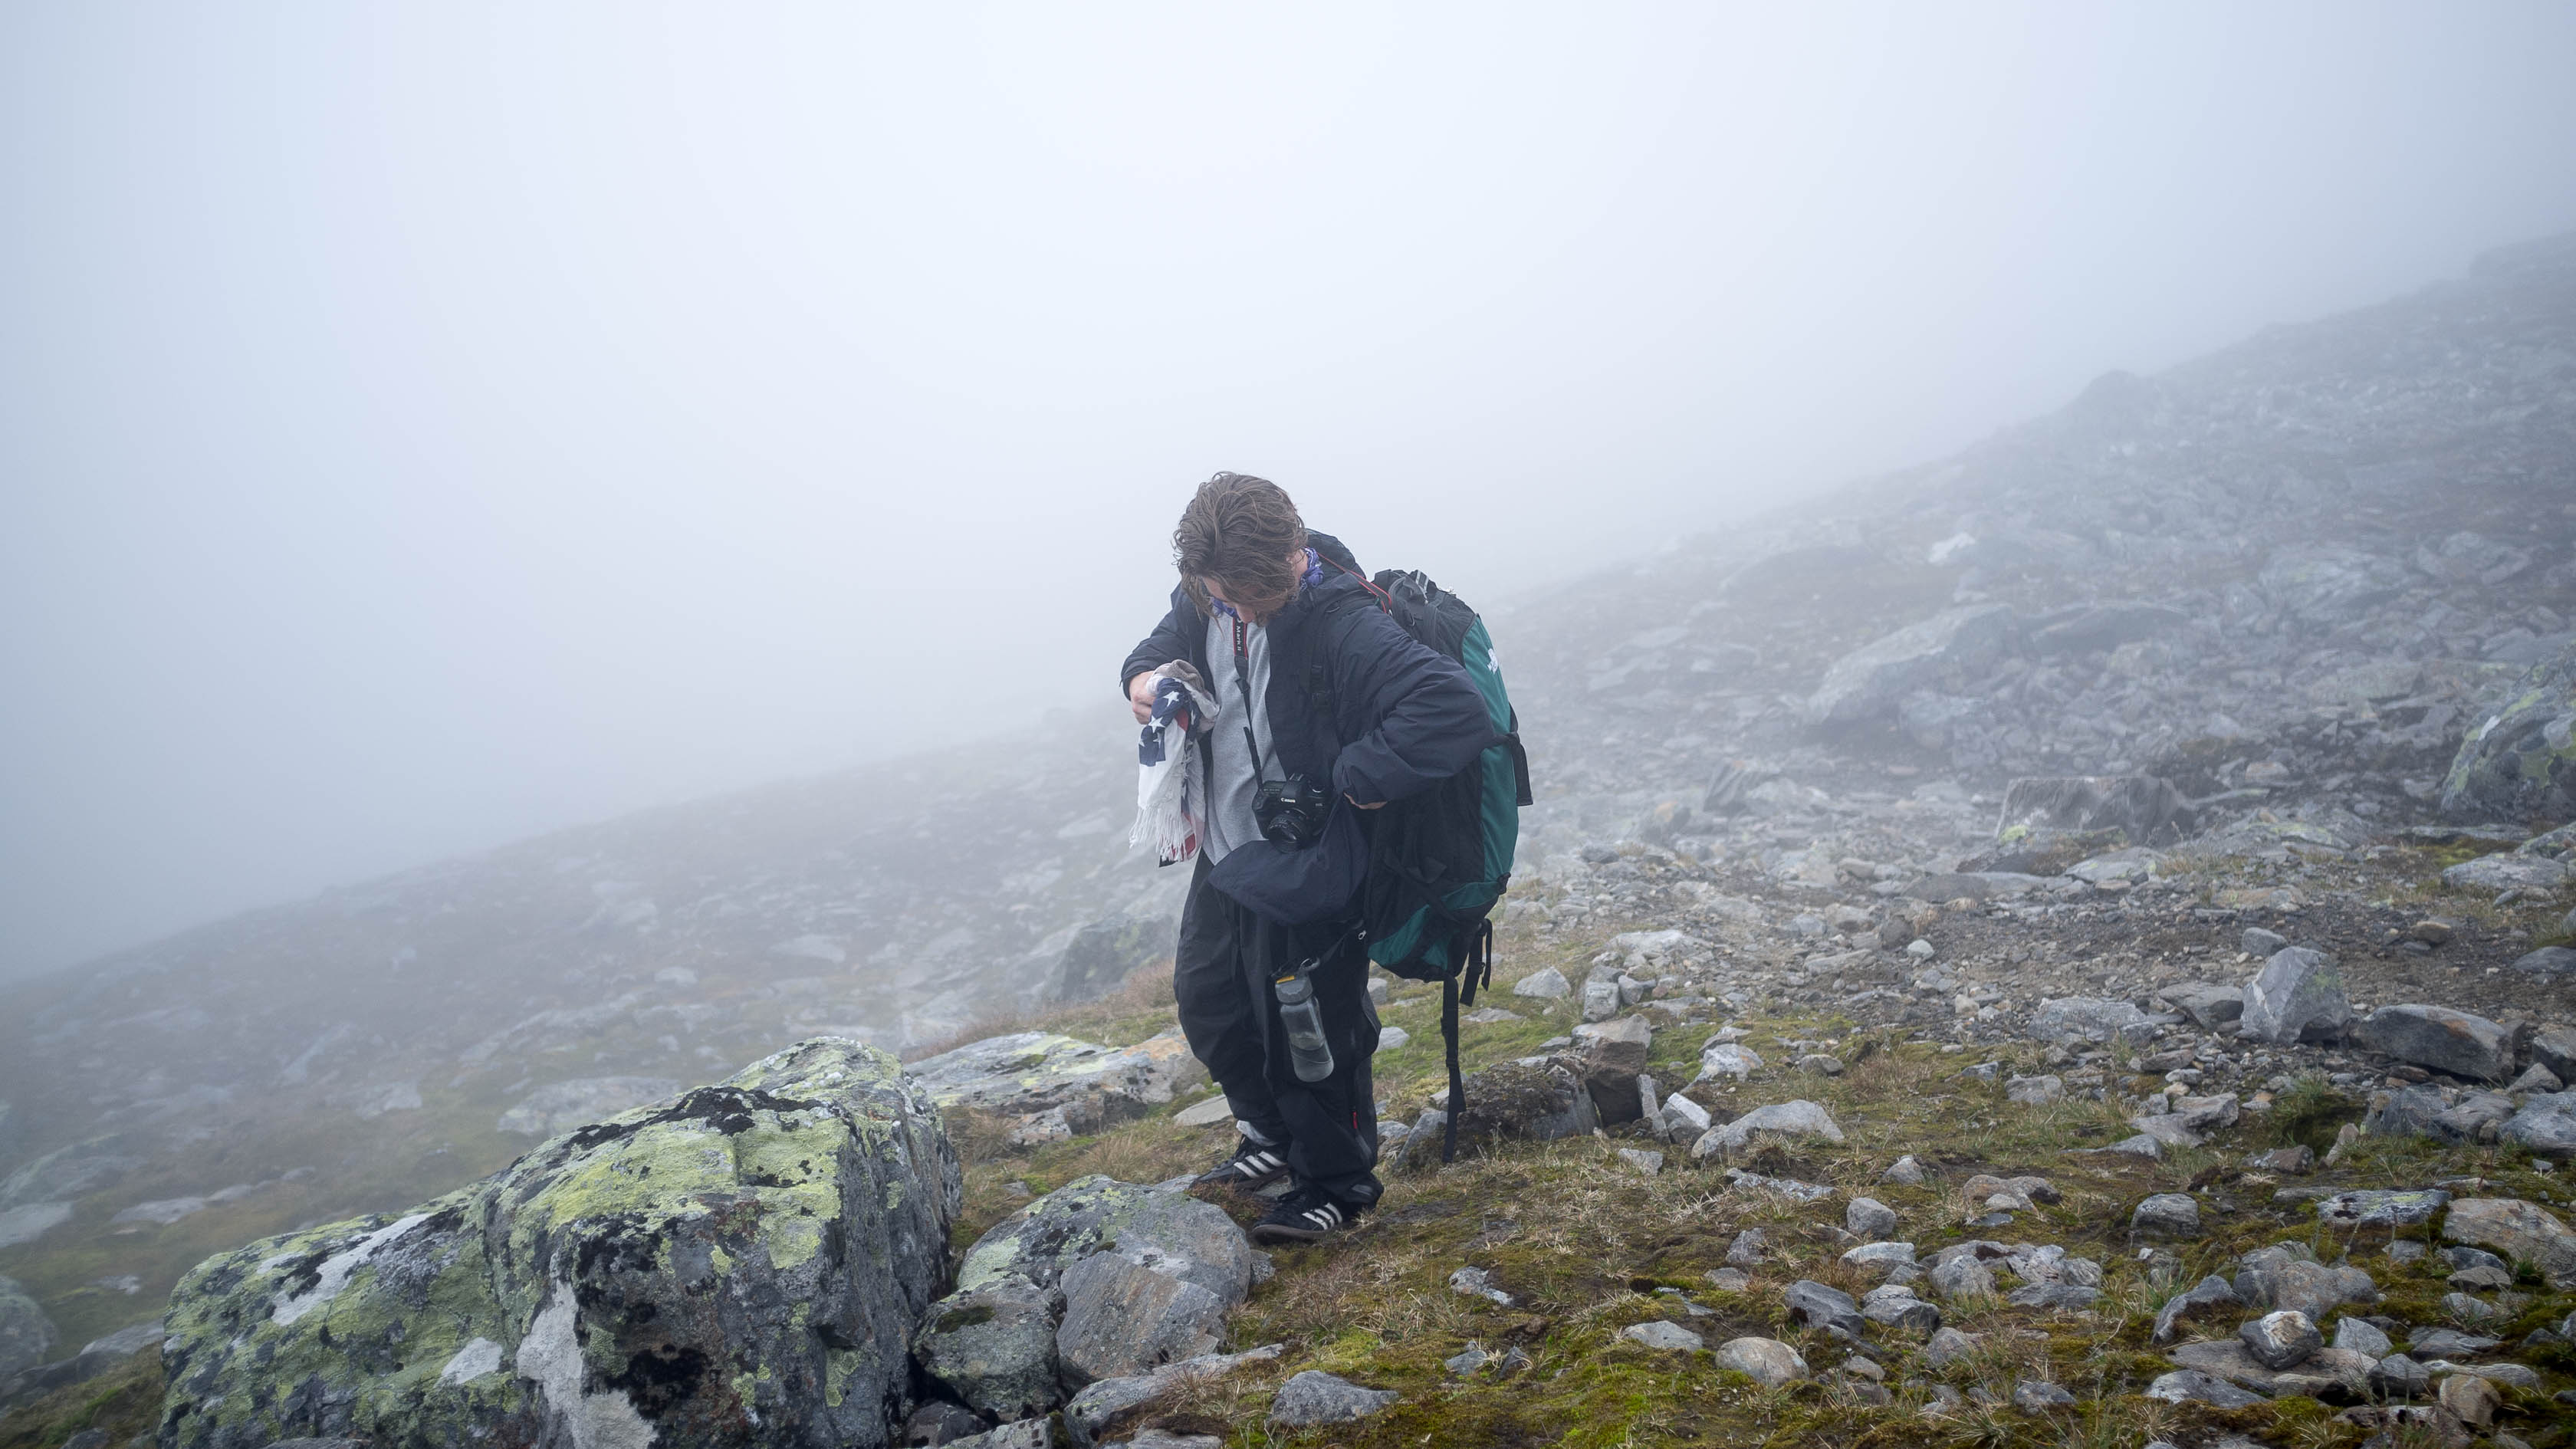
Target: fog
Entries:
(423, 426)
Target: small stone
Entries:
(1729, 1280)
(2432, 931)
(1904, 1172)
(2298, 995)
(1205, 1114)
(2281, 1340)
(2035, 1091)
(2255, 941)
(1767, 1361)
(1948, 1345)
(2361, 1336)
(1869, 1219)
(1814, 1305)
(2398, 1377)
(1655, 1333)
(2167, 1214)
(1881, 1259)
(2058, 1297)
(2534, 1078)
(2296, 1160)
(1546, 983)
(1478, 1283)
(1962, 1278)
(1920, 949)
(2472, 1399)
(1796, 1119)
(1646, 1163)
(2191, 1386)
(1897, 1307)
(2381, 1208)
(2211, 1292)
(1316, 1397)
(1746, 1250)
(2032, 1396)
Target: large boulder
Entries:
(743, 1265)
(2546, 1125)
(2521, 1231)
(2513, 764)
(2090, 1019)
(1778, 1120)
(1054, 1086)
(1144, 1277)
(2298, 995)
(2440, 1038)
(2136, 809)
(1869, 681)
(1538, 1100)
(26, 1334)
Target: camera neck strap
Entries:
(1243, 686)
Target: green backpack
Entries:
(1439, 859)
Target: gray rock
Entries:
(1646, 1163)
(2032, 1396)
(1601, 998)
(1962, 1278)
(2507, 872)
(1479, 1283)
(2398, 1377)
(2449, 1343)
(2255, 941)
(2360, 1335)
(2090, 1019)
(1868, 1218)
(1121, 1318)
(1813, 1305)
(1683, 1119)
(2210, 1294)
(1655, 1333)
(2298, 995)
(1948, 1345)
(2281, 1339)
(2554, 1047)
(2534, 1078)
(838, 1185)
(2055, 1296)
(2432, 1111)
(26, 1334)
(1316, 1397)
(1746, 1250)
(1895, 1306)
(2208, 1005)
(2035, 1091)
(2137, 809)
(1795, 1119)
(2279, 1278)
(2512, 765)
(2191, 1386)
(2168, 1215)
(2548, 961)
(1036, 1074)
(2546, 1125)
(2521, 1231)
(1546, 983)
(1904, 1172)
(1169, 1232)
(1721, 1060)
(2440, 1038)
(1026, 1434)
(1534, 1101)
(1766, 1361)
(994, 1348)
(1881, 1259)
(1869, 681)
(1105, 952)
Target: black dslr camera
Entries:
(1291, 811)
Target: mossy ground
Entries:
(122, 1403)
(1585, 1242)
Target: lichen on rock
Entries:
(742, 1264)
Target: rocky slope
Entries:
(2288, 581)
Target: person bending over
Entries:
(1324, 700)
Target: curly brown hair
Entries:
(1239, 530)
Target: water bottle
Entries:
(1304, 1021)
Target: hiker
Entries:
(1328, 711)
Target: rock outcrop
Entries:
(1055, 1086)
(744, 1264)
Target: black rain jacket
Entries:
(1353, 699)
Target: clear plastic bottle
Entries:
(1308, 1053)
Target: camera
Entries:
(1291, 812)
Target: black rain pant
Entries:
(1221, 978)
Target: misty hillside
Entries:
(2286, 577)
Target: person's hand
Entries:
(1140, 695)
(1380, 805)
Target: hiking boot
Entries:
(1307, 1215)
(1251, 1168)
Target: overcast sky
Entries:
(425, 425)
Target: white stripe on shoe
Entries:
(1258, 1164)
